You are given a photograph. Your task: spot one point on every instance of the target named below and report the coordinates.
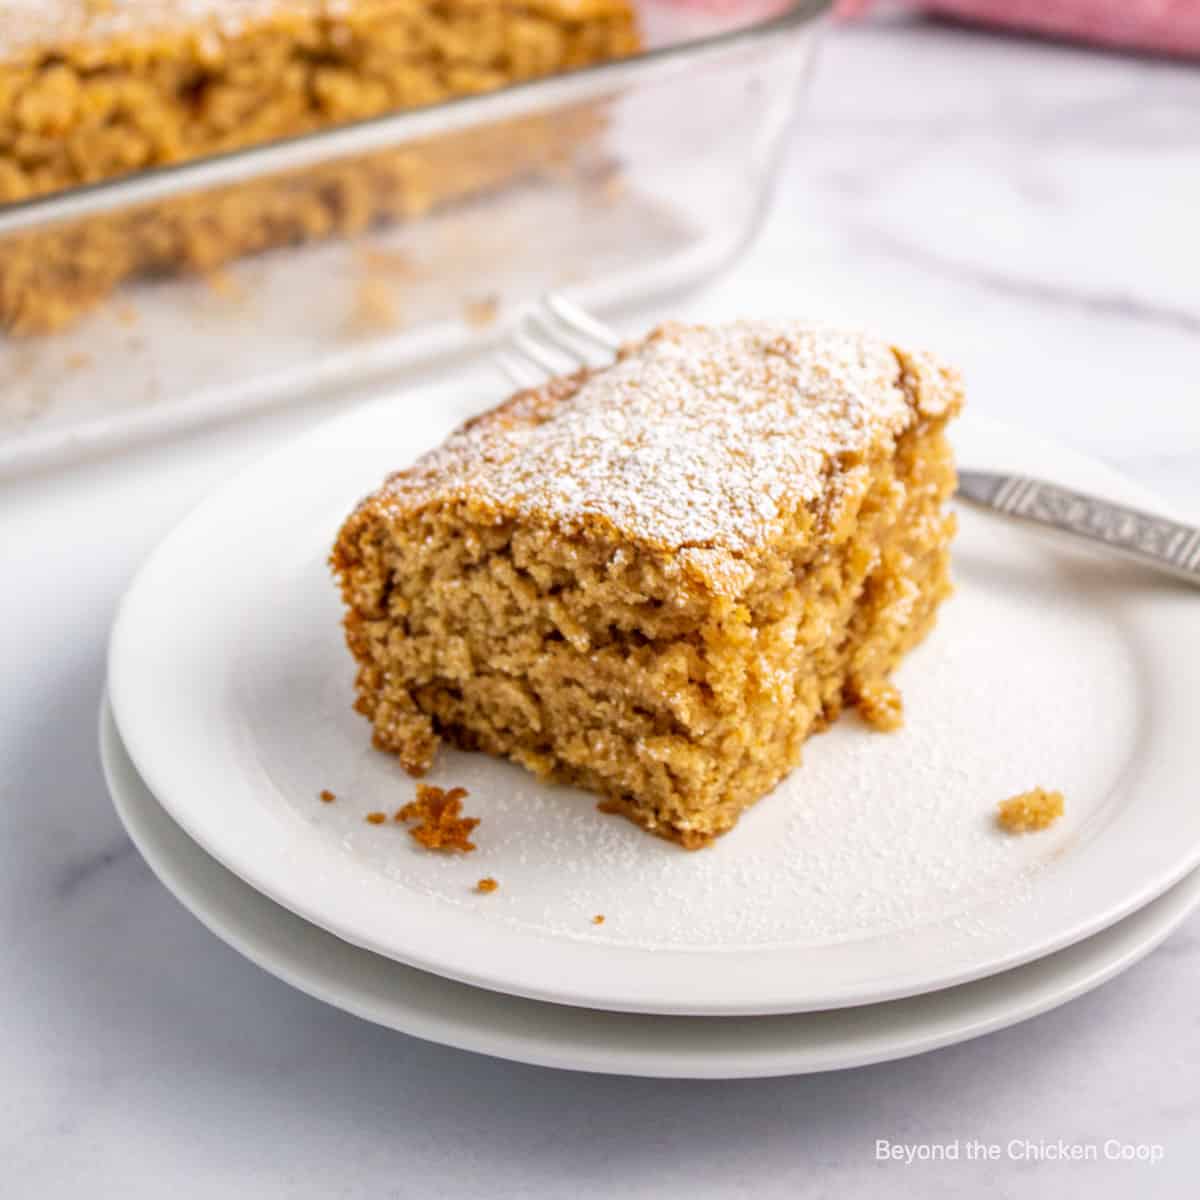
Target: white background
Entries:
(1033, 212)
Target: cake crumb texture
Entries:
(486, 886)
(657, 579)
(440, 823)
(1030, 811)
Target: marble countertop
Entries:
(1029, 210)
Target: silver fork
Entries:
(555, 336)
(552, 337)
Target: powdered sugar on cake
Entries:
(698, 437)
(36, 25)
(28, 24)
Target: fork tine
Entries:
(580, 322)
(546, 327)
(535, 350)
(552, 337)
(521, 373)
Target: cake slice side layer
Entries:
(675, 664)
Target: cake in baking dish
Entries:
(91, 90)
(655, 580)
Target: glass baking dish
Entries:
(615, 183)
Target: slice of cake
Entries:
(656, 580)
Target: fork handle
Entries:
(1168, 546)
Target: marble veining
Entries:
(75, 876)
(1121, 306)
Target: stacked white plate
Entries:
(869, 908)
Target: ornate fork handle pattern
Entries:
(1169, 546)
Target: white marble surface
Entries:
(1030, 210)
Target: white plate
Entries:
(553, 1035)
(873, 872)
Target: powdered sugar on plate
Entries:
(873, 835)
(874, 871)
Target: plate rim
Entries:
(438, 1014)
(462, 951)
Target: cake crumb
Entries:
(1029, 811)
(384, 259)
(441, 825)
(481, 311)
(223, 285)
(376, 818)
(484, 886)
(598, 919)
(327, 797)
(375, 308)
(605, 185)
(881, 706)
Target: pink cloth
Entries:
(1170, 26)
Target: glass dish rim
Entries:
(376, 133)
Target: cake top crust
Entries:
(27, 25)
(700, 439)
(45, 25)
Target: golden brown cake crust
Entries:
(656, 580)
(34, 27)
